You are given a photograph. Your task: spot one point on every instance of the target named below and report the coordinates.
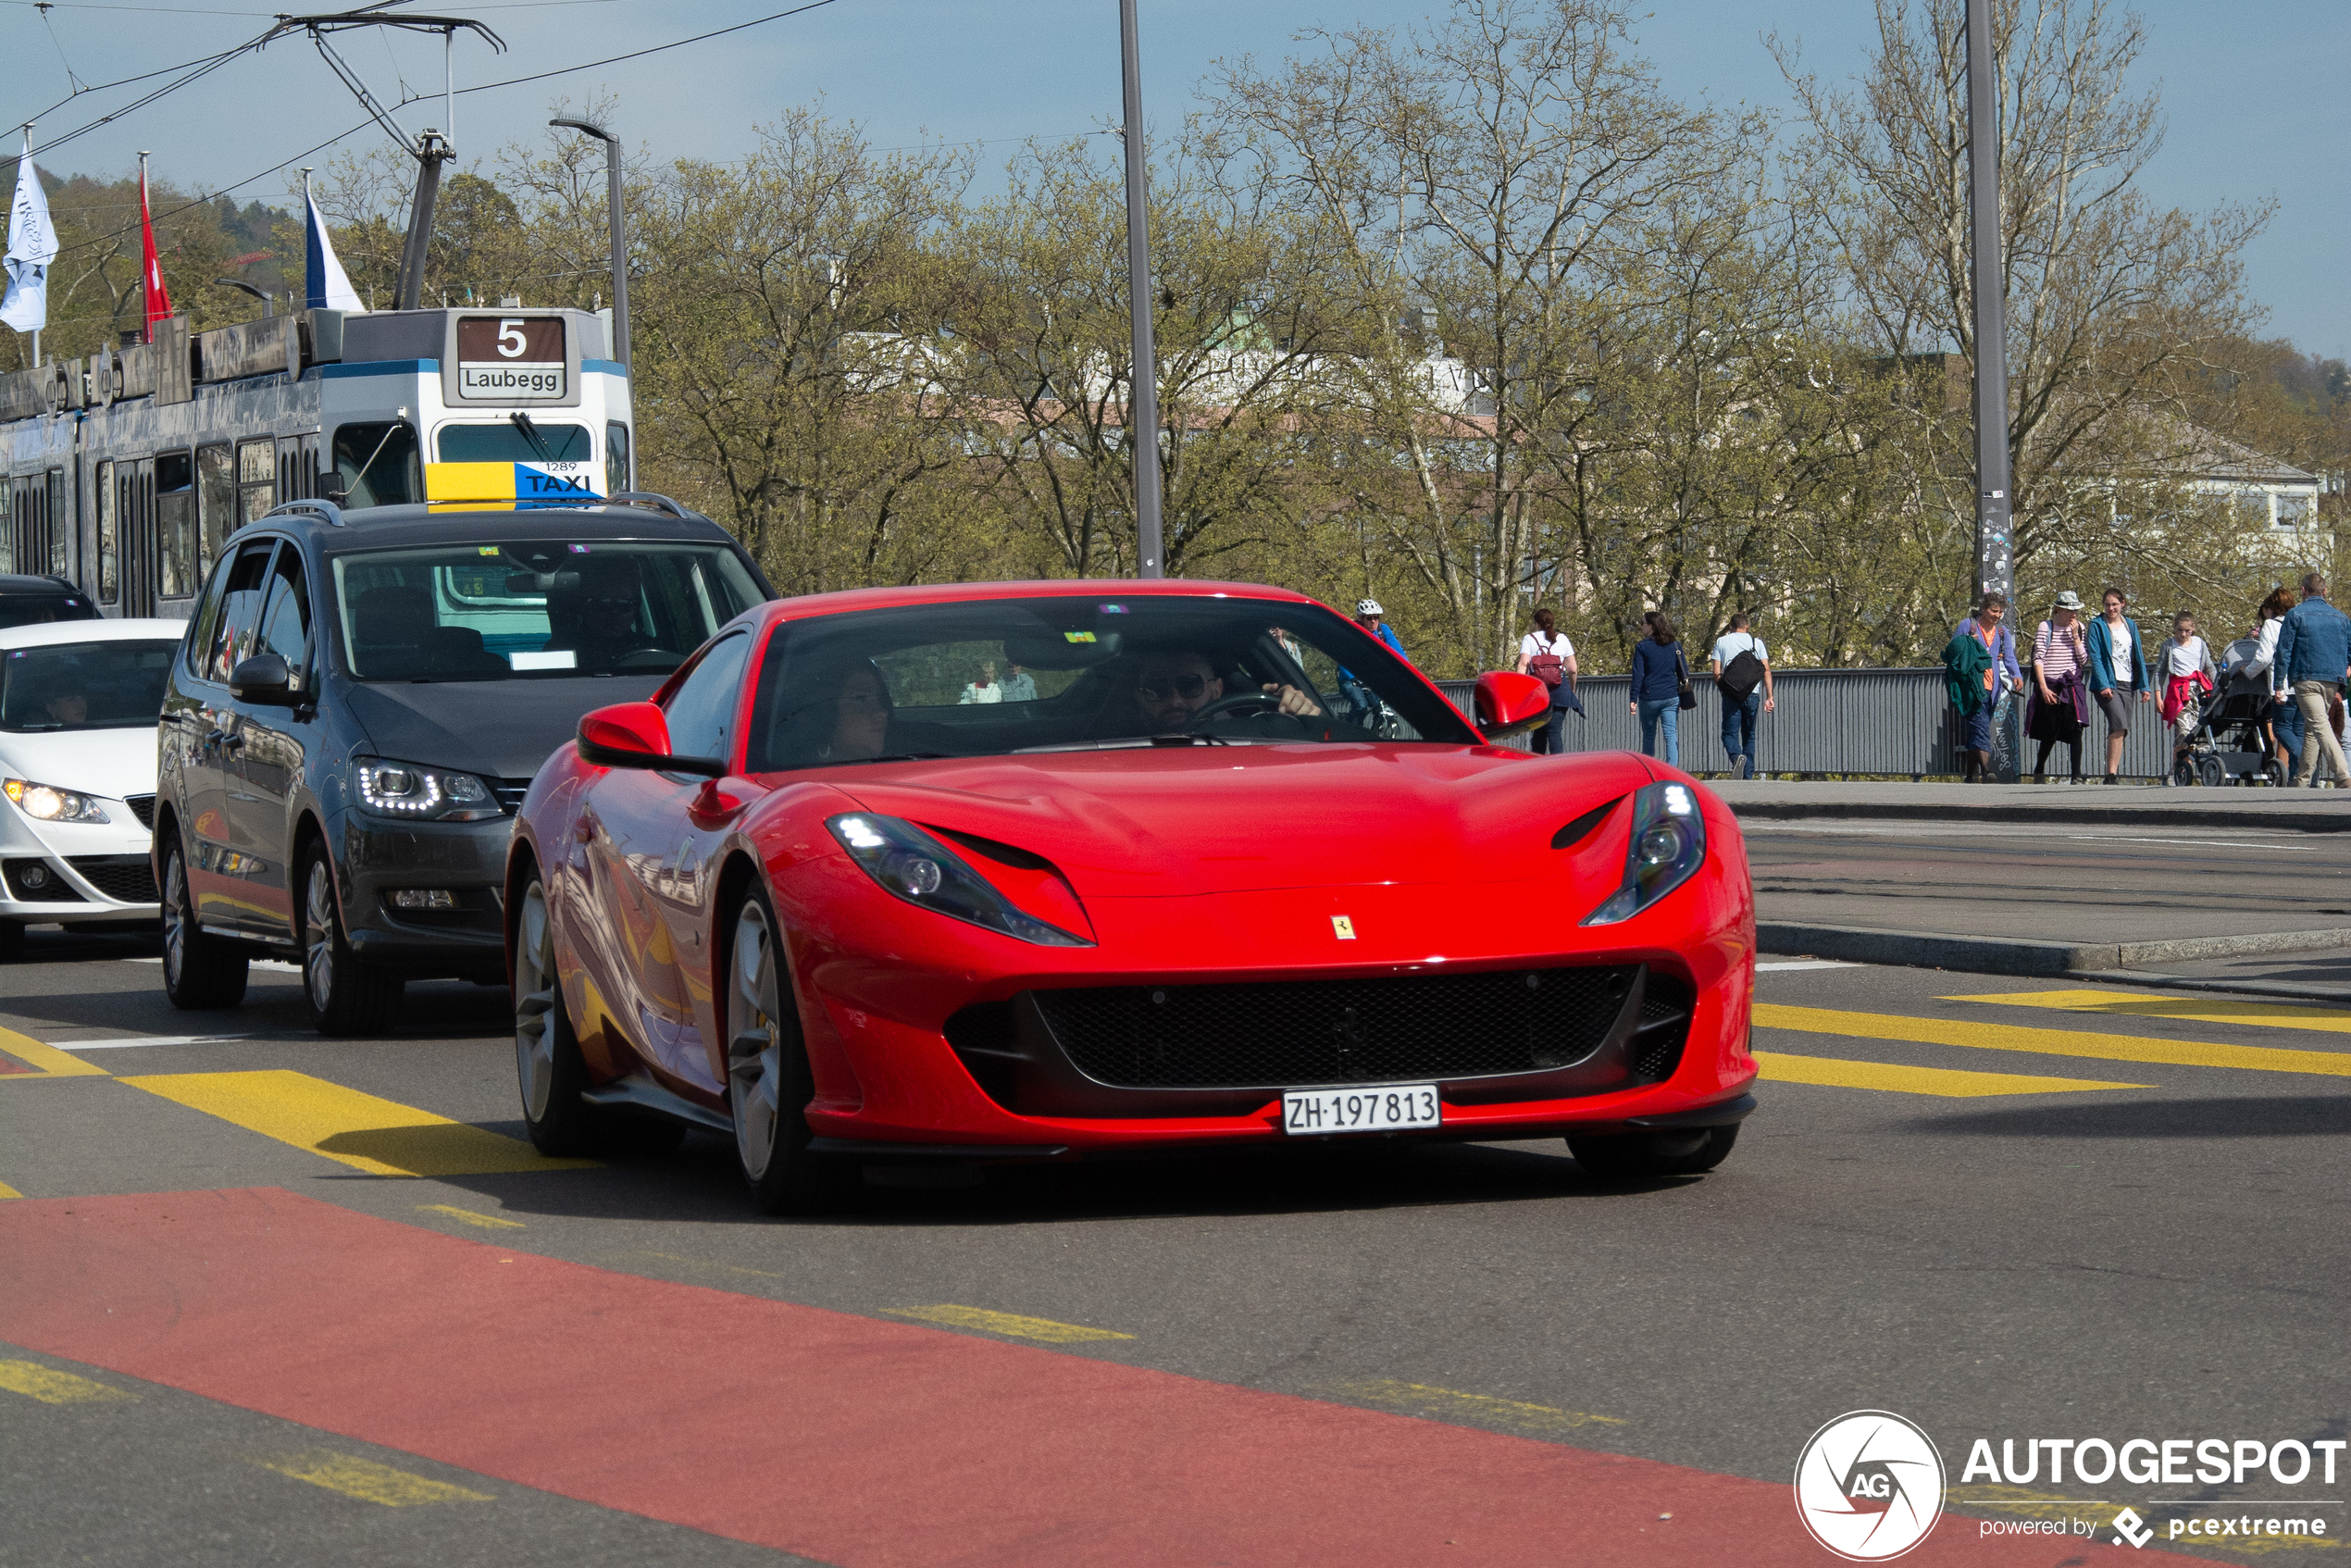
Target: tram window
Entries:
(8, 526)
(285, 624)
(615, 458)
(509, 442)
(215, 501)
(256, 480)
(59, 522)
(176, 525)
(109, 537)
(377, 465)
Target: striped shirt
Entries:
(2056, 653)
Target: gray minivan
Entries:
(358, 707)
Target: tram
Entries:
(125, 472)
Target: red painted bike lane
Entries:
(860, 1442)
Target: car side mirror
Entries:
(637, 735)
(1508, 702)
(263, 679)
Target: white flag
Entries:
(325, 285)
(33, 245)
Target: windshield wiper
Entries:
(530, 433)
(887, 757)
(1137, 743)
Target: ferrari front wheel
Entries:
(768, 1087)
(1633, 1156)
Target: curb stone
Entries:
(2012, 955)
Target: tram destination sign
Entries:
(511, 359)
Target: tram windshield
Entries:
(534, 609)
(520, 438)
(110, 685)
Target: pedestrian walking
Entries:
(1969, 676)
(2188, 673)
(985, 689)
(2061, 705)
(2117, 674)
(1019, 685)
(2314, 657)
(1661, 677)
(1742, 670)
(1547, 654)
(2283, 725)
(2003, 682)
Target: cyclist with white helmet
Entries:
(1374, 619)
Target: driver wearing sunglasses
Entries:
(1172, 688)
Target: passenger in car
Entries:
(1173, 685)
(595, 615)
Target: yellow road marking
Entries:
(51, 1062)
(1012, 1324)
(370, 1482)
(7, 1193)
(53, 1388)
(2052, 1042)
(1950, 1082)
(1449, 1404)
(487, 1221)
(705, 1262)
(2201, 1010)
(368, 1134)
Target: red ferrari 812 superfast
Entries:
(985, 873)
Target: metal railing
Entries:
(1897, 723)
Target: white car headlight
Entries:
(47, 802)
(425, 794)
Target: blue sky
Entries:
(2251, 88)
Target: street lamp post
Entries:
(619, 235)
(1995, 552)
(1142, 403)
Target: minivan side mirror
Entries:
(637, 735)
(1508, 702)
(263, 679)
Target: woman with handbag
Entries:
(1661, 687)
(2061, 705)
(1547, 654)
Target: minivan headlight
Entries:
(47, 802)
(910, 864)
(423, 794)
(1669, 845)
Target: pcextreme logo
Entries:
(1869, 1486)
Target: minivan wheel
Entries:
(768, 1087)
(347, 996)
(199, 971)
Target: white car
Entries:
(79, 704)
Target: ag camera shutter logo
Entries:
(1869, 1486)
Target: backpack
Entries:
(1547, 666)
(1740, 677)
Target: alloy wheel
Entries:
(175, 919)
(318, 936)
(755, 1050)
(535, 1002)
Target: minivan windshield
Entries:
(110, 685)
(997, 677)
(534, 609)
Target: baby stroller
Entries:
(2226, 730)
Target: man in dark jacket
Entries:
(2314, 657)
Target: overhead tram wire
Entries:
(212, 196)
(633, 54)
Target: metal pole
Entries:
(1995, 554)
(1142, 403)
(620, 350)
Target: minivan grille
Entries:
(510, 792)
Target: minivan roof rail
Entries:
(327, 510)
(648, 500)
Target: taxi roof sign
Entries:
(510, 486)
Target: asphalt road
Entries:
(2068, 1217)
(2050, 881)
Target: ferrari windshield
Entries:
(996, 676)
(534, 609)
(110, 685)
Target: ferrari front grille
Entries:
(1308, 1033)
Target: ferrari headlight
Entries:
(910, 864)
(1669, 844)
(425, 794)
(47, 802)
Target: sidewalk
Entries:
(2147, 805)
(2228, 889)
